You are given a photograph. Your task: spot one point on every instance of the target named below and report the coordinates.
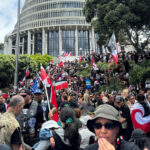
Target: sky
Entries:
(8, 16)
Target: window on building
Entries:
(53, 43)
(68, 41)
(38, 43)
(83, 42)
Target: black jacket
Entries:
(123, 146)
(60, 145)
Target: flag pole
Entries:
(17, 50)
(48, 102)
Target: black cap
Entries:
(25, 91)
(119, 99)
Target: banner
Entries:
(88, 83)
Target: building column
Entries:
(46, 42)
(76, 42)
(22, 45)
(93, 40)
(60, 41)
(29, 42)
(43, 41)
(9, 50)
(33, 44)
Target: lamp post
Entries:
(17, 49)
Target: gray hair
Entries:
(15, 100)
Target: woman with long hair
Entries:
(66, 137)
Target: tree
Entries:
(1, 46)
(129, 19)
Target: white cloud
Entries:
(8, 16)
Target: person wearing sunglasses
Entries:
(28, 119)
(108, 130)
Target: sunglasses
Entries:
(109, 126)
(23, 96)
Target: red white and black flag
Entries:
(26, 75)
(112, 47)
(50, 91)
(61, 85)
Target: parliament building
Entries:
(52, 27)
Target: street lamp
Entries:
(17, 49)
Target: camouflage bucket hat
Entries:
(104, 111)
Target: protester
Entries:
(66, 137)
(46, 135)
(4, 147)
(10, 132)
(107, 127)
(30, 118)
(140, 139)
(2, 104)
(125, 119)
(87, 137)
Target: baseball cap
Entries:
(119, 99)
(38, 91)
(104, 111)
(25, 91)
(5, 95)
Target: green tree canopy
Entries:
(129, 19)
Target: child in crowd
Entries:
(46, 137)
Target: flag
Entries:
(92, 60)
(80, 59)
(27, 72)
(112, 47)
(61, 85)
(53, 99)
(34, 87)
(26, 75)
(70, 54)
(52, 62)
(138, 119)
(47, 82)
(60, 64)
(23, 81)
(95, 66)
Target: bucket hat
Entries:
(104, 111)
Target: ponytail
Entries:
(67, 116)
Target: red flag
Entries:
(23, 81)
(26, 75)
(60, 65)
(27, 72)
(92, 61)
(80, 59)
(112, 47)
(52, 62)
(46, 81)
(95, 66)
(53, 99)
(70, 54)
(43, 74)
(61, 85)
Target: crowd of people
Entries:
(107, 120)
